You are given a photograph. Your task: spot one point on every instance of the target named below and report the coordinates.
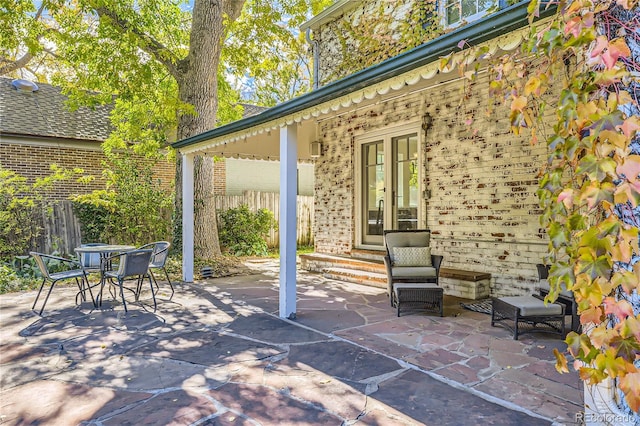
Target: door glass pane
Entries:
(405, 181)
(373, 189)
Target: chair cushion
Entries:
(532, 307)
(411, 256)
(544, 285)
(406, 239)
(399, 272)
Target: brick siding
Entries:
(34, 161)
(483, 210)
(220, 177)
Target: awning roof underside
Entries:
(258, 137)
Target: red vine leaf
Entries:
(593, 314)
(566, 198)
(630, 169)
(630, 126)
(617, 48)
(573, 26)
(620, 308)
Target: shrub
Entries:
(242, 232)
(22, 205)
(134, 208)
(19, 226)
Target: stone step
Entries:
(354, 276)
(318, 262)
(375, 255)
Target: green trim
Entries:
(490, 27)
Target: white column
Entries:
(187, 217)
(287, 226)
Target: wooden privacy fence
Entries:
(61, 228)
(271, 201)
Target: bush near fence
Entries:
(271, 201)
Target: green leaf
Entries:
(596, 193)
(595, 266)
(597, 168)
(558, 235)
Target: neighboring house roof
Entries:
(44, 113)
(250, 110)
(491, 27)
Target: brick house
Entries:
(392, 150)
(38, 130)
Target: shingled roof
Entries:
(250, 110)
(43, 113)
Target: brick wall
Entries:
(483, 211)
(220, 177)
(34, 160)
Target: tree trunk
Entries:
(198, 86)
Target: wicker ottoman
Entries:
(418, 296)
(527, 314)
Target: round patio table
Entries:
(105, 251)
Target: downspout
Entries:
(314, 49)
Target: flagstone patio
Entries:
(218, 354)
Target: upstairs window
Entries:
(458, 11)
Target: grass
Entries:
(275, 251)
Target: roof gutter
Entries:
(492, 26)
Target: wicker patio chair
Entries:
(565, 296)
(409, 260)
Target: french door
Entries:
(389, 185)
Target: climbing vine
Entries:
(575, 84)
(370, 37)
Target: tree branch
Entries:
(232, 8)
(8, 66)
(147, 43)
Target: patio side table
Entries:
(426, 296)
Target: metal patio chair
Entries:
(73, 270)
(159, 260)
(132, 265)
(91, 262)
